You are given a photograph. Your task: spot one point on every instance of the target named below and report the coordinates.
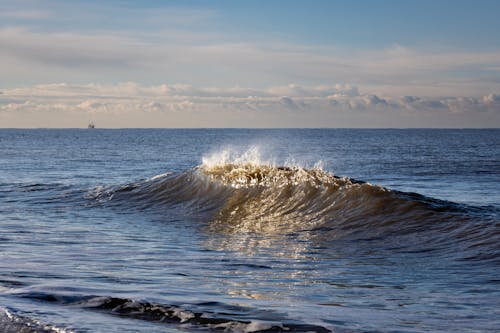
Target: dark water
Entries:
(249, 230)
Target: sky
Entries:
(356, 64)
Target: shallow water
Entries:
(249, 230)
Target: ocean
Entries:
(250, 230)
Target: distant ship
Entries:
(91, 125)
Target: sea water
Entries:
(238, 230)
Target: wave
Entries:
(214, 316)
(250, 195)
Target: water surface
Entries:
(249, 230)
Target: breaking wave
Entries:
(247, 194)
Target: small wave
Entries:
(178, 315)
(215, 316)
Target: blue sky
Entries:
(351, 24)
(340, 63)
(365, 24)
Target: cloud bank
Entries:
(183, 105)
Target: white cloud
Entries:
(130, 104)
(492, 99)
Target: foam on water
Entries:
(13, 323)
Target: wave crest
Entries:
(249, 174)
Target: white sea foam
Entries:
(183, 315)
(100, 193)
(10, 322)
(252, 326)
(159, 176)
(237, 156)
(255, 155)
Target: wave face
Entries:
(248, 195)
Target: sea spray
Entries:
(256, 155)
(252, 155)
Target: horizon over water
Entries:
(249, 230)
